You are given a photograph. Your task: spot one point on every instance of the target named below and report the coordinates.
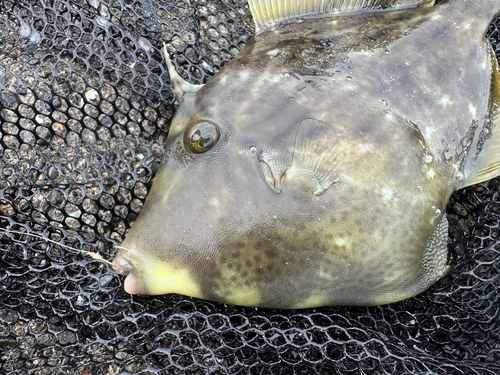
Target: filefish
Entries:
(315, 168)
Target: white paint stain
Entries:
(431, 173)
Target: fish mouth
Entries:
(133, 284)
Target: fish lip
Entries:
(134, 284)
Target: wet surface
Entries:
(85, 106)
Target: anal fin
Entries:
(435, 258)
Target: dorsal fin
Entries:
(269, 12)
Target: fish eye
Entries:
(201, 137)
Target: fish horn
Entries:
(180, 85)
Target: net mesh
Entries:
(85, 105)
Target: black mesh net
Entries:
(85, 105)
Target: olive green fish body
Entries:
(315, 168)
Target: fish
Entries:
(315, 168)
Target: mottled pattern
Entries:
(396, 100)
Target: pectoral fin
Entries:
(316, 158)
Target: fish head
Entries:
(211, 199)
(276, 200)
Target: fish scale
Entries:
(314, 169)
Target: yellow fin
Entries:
(268, 12)
(487, 164)
(316, 158)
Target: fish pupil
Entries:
(201, 137)
(206, 142)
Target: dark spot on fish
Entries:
(271, 253)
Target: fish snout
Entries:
(134, 284)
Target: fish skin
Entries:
(406, 95)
